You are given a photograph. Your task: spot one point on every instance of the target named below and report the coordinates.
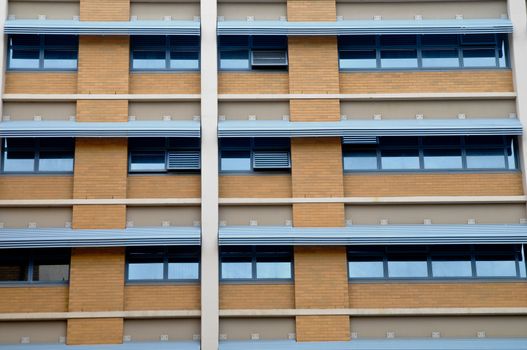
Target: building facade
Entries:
(263, 174)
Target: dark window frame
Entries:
(250, 48)
(168, 49)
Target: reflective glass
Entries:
(488, 158)
(184, 60)
(451, 267)
(147, 161)
(502, 54)
(358, 59)
(235, 160)
(183, 270)
(60, 59)
(479, 57)
(407, 266)
(442, 159)
(511, 154)
(238, 59)
(445, 58)
(496, 266)
(145, 271)
(236, 270)
(398, 40)
(19, 161)
(49, 271)
(276, 270)
(55, 161)
(399, 59)
(149, 60)
(360, 159)
(400, 159)
(24, 58)
(366, 268)
(12, 267)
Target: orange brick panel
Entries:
(253, 83)
(34, 299)
(41, 83)
(99, 216)
(311, 11)
(264, 186)
(165, 83)
(317, 167)
(36, 187)
(322, 328)
(95, 331)
(104, 10)
(314, 110)
(164, 186)
(419, 295)
(318, 214)
(104, 64)
(102, 110)
(313, 65)
(416, 82)
(257, 296)
(393, 185)
(162, 297)
(321, 277)
(97, 279)
(101, 168)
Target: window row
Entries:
(358, 52)
(433, 153)
(34, 265)
(436, 262)
(34, 155)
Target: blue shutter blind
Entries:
(271, 160)
(183, 160)
(357, 140)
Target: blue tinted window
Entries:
(150, 154)
(440, 58)
(479, 57)
(165, 52)
(442, 159)
(34, 265)
(256, 263)
(238, 154)
(361, 159)
(43, 52)
(366, 267)
(252, 52)
(162, 263)
(363, 59)
(37, 155)
(399, 59)
(235, 160)
(234, 59)
(400, 159)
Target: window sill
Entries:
(475, 171)
(269, 281)
(387, 70)
(45, 70)
(436, 281)
(162, 283)
(4, 174)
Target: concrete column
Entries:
(518, 52)
(3, 48)
(209, 178)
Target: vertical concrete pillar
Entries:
(3, 49)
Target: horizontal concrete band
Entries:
(489, 311)
(265, 201)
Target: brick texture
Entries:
(257, 296)
(177, 186)
(265, 186)
(41, 83)
(253, 83)
(102, 110)
(318, 214)
(36, 187)
(34, 299)
(418, 295)
(97, 279)
(98, 216)
(95, 331)
(162, 297)
(311, 10)
(327, 110)
(103, 64)
(101, 168)
(104, 10)
(415, 82)
(386, 185)
(322, 328)
(165, 83)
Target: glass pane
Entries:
(235, 160)
(12, 267)
(442, 159)
(26, 59)
(238, 59)
(60, 59)
(478, 39)
(488, 158)
(496, 266)
(399, 59)
(236, 270)
(479, 57)
(439, 40)
(452, 267)
(511, 154)
(407, 266)
(502, 53)
(64, 144)
(360, 159)
(400, 159)
(147, 161)
(350, 41)
(440, 58)
(149, 60)
(184, 60)
(25, 40)
(183, 270)
(277, 270)
(398, 40)
(398, 141)
(484, 140)
(358, 59)
(55, 161)
(145, 271)
(366, 269)
(19, 161)
(443, 141)
(50, 272)
(65, 41)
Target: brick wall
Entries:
(386, 185)
(98, 216)
(311, 11)
(322, 328)
(164, 186)
(162, 297)
(415, 82)
(253, 83)
(41, 83)
(104, 10)
(257, 296)
(318, 214)
(95, 331)
(327, 110)
(36, 187)
(102, 110)
(165, 83)
(264, 186)
(31, 299)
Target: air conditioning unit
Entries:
(183, 160)
(269, 58)
(271, 160)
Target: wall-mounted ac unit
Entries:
(183, 160)
(269, 58)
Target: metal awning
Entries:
(76, 27)
(373, 235)
(65, 237)
(173, 128)
(366, 27)
(164, 345)
(409, 127)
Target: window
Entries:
(32, 155)
(423, 51)
(34, 265)
(177, 52)
(254, 154)
(253, 52)
(162, 264)
(433, 153)
(164, 154)
(41, 52)
(436, 262)
(256, 263)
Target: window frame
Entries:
(250, 48)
